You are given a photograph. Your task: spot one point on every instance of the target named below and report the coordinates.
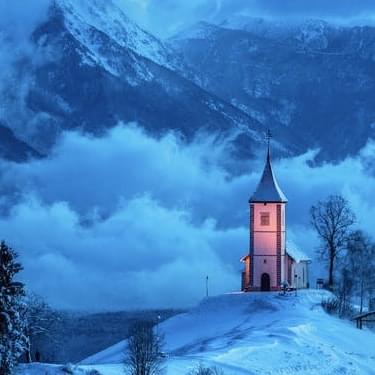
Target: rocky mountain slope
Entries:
(92, 67)
(312, 82)
(88, 66)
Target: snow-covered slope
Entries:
(104, 15)
(259, 334)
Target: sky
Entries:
(146, 231)
(165, 17)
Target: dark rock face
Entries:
(12, 148)
(313, 83)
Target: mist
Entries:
(132, 221)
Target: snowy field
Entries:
(256, 333)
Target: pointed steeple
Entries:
(268, 189)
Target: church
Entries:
(272, 262)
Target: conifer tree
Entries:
(12, 324)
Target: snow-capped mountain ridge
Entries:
(97, 68)
(108, 18)
(275, 28)
(200, 30)
(293, 78)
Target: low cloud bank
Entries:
(131, 221)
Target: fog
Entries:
(131, 221)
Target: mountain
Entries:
(253, 333)
(311, 82)
(12, 148)
(92, 67)
(88, 67)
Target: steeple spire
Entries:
(268, 138)
(268, 189)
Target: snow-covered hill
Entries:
(257, 334)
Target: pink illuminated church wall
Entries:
(265, 242)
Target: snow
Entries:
(82, 17)
(256, 333)
(201, 30)
(293, 250)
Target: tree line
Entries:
(349, 254)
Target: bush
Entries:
(338, 306)
(68, 369)
(331, 305)
(74, 370)
(93, 372)
(202, 370)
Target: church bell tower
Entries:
(265, 263)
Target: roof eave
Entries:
(267, 201)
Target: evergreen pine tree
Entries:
(12, 310)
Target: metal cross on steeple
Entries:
(268, 139)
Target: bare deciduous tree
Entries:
(144, 355)
(40, 321)
(332, 220)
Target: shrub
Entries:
(93, 372)
(74, 370)
(202, 370)
(331, 305)
(68, 368)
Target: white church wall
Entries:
(300, 275)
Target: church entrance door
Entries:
(265, 283)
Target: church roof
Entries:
(268, 189)
(294, 252)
